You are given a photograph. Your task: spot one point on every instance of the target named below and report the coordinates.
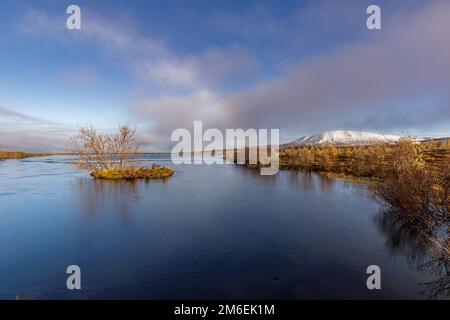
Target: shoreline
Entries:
(5, 155)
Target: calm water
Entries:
(207, 232)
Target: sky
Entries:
(300, 66)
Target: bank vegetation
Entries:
(412, 180)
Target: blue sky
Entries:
(301, 66)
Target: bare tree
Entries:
(105, 151)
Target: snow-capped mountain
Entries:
(341, 137)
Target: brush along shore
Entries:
(411, 180)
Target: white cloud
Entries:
(168, 72)
(170, 112)
(21, 132)
(211, 69)
(146, 57)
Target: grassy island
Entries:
(154, 172)
(113, 156)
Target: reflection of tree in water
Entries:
(308, 181)
(440, 287)
(421, 253)
(98, 196)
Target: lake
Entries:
(207, 232)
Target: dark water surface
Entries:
(207, 232)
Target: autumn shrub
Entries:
(112, 156)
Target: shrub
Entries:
(104, 151)
(113, 156)
(419, 193)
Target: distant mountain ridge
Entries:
(343, 137)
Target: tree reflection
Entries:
(98, 196)
(422, 253)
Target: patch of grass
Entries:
(131, 173)
(18, 155)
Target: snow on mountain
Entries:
(341, 137)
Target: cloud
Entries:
(223, 66)
(171, 112)
(115, 33)
(393, 80)
(38, 23)
(151, 62)
(7, 113)
(21, 132)
(212, 68)
(388, 74)
(144, 56)
(168, 72)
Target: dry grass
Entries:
(19, 155)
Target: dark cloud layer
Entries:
(399, 79)
(396, 79)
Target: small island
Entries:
(113, 156)
(154, 172)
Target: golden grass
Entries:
(131, 173)
(359, 161)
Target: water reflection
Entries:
(94, 195)
(307, 182)
(298, 181)
(403, 239)
(207, 232)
